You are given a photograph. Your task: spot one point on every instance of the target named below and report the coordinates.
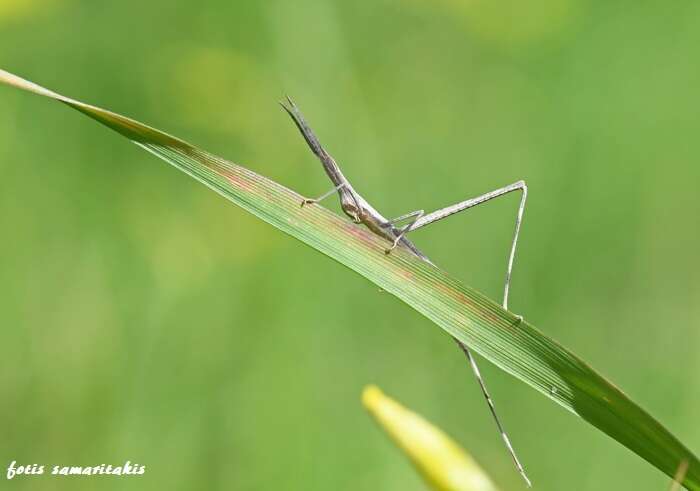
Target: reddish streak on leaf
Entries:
(237, 181)
(359, 233)
(485, 312)
(465, 300)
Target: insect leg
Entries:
(492, 408)
(423, 220)
(415, 215)
(470, 203)
(323, 196)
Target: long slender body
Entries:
(354, 205)
(360, 211)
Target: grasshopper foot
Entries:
(393, 246)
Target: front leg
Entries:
(307, 201)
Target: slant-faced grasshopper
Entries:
(360, 211)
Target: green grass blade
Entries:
(444, 465)
(491, 331)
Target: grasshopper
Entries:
(360, 211)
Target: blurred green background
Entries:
(144, 318)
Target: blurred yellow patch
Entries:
(443, 463)
(220, 90)
(184, 246)
(512, 22)
(11, 10)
